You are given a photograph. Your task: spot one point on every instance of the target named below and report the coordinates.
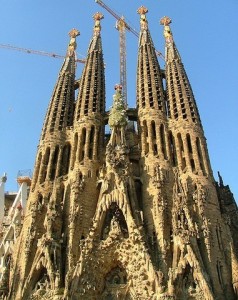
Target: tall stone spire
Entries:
(91, 97)
(87, 143)
(150, 95)
(90, 105)
(181, 104)
(191, 150)
(61, 107)
(127, 215)
(47, 189)
(149, 79)
(53, 148)
(154, 141)
(194, 205)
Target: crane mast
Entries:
(127, 26)
(121, 27)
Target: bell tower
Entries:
(134, 214)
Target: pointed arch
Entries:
(163, 143)
(91, 142)
(54, 163)
(172, 149)
(145, 137)
(37, 169)
(200, 156)
(64, 165)
(82, 144)
(44, 165)
(74, 151)
(181, 151)
(154, 137)
(114, 213)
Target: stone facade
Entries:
(131, 215)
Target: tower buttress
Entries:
(90, 105)
(88, 143)
(116, 232)
(61, 108)
(137, 218)
(155, 155)
(53, 155)
(150, 94)
(43, 227)
(194, 197)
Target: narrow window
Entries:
(82, 144)
(190, 149)
(181, 151)
(219, 272)
(162, 139)
(172, 149)
(192, 164)
(65, 160)
(54, 163)
(153, 130)
(45, 165)
(200, 156)
(75, 150)
(145, 134)
(91, 140)
(153, 133)
(37, 169)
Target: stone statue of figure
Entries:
(115, 228)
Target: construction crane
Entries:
(30, 51)
(122, 26)
(127, 26)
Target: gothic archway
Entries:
(114, 217)
(116, 285)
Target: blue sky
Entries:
(206, 36)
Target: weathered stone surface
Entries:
(134, 214)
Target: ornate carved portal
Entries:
(187, 287)
(114, 221)
(42, 286)
(116, 285)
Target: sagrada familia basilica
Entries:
(134, 214)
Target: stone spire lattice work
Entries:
(130, 214)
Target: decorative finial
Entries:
(167, 31)
(74, 32)
(165, 21)
(143, 21)
(97, 18)
(72, 43)
(118, 87)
